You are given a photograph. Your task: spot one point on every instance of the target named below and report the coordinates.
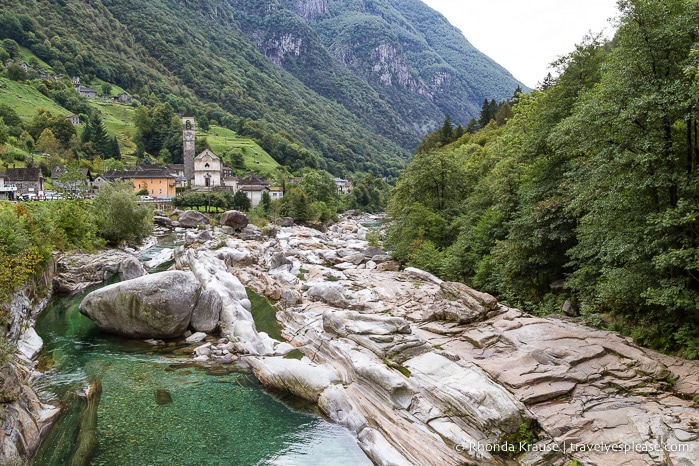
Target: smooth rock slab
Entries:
(467, 390)
(152, 306)
(30, 344)
(298, 377)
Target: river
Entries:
(158, 409)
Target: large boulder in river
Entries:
(152, 306)
(192, 219)
(234, 219)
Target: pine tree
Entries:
(447, 131)
(485, 115)
(113, 151)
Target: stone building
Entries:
(207, 170)
(28, 181)
(188, 132)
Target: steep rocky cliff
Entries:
(409, 64)
(25, 419)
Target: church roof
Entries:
(206, 152)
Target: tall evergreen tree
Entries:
(113, 151)
(98, 136)
(447, 131)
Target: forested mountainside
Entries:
(397, 63)
(587, 199)
(357, 83)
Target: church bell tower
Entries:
(188, 130)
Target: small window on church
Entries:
(206, 164)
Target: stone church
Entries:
(201, 171)
(208, 170)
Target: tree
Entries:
(12, 47)
(635, 192)
(369, 194)
(113, 151)
(165, 155)
(446, 132)
(266, 202)
(241, 201)
(99, 137)
(9, 116)
(47, 142)
(120, 218)
(204, 124)
(3, 132)
(62, 129)
(16, 73)
(504, 114)
(488, 112)
(319, 186)
(106, 88)
(295, 204)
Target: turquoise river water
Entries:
(208, 416)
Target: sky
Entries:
(524, 37)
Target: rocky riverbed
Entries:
(426, 372)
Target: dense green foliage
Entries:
(592, 182)
(119, 217)
(29, 233)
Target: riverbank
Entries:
(25, 418)
(398, 355)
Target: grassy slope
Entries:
(25, 99)
(118, 120)
(256, 159)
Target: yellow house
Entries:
(158, 181)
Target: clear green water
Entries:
(211, 420)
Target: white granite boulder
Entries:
(152, 306)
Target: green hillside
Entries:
(25, 99)
(269, 73)
(119, 121)
(225, 142)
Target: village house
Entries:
(75, 119)
(253, 186)
(157, 181)
(124, 98)
(229, 179)
(177, 169)
(343, 186)
(87, 177)
(7, 190)
(100, 180)
(28, 181)
(89, 92)
(275, 192)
